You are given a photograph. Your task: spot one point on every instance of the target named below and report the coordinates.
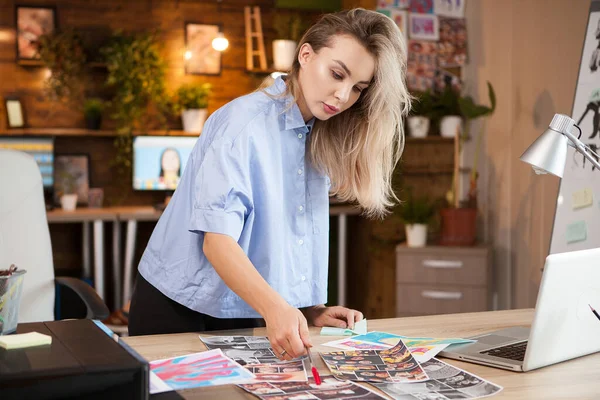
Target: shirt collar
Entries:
(290, 117)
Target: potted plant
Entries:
(416, 213)
(289, 28)
(92, 110)
(192, 102)
(459, 221)
(419, 119)
(63, 53)
(447, 111)
(68, 194)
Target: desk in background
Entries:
(132, 215)
(574, 379)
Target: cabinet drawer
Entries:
(442, 269)
(440, 299)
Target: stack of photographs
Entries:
(392, 365)
(446, 382)
(257, 356)
(330, 388)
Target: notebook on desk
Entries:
(563, 328)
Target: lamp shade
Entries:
(548, 153)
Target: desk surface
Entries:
(575, 379)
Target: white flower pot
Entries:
(193, 120)
(416, 235)
(283, 54)
(450, 126)
(68, 202)
(418, 126)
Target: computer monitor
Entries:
(42, 150)
(159, 161)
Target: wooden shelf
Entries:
(86, 132)
(429, 139)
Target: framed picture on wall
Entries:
(72, 176)
(15, 117)
(201, 58)
(32, 22)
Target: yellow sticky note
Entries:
(583, 198)
(22, 340)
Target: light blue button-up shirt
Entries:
(248, 177)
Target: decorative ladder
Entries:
(254, 30)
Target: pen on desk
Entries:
(313, 369)
(594, 311)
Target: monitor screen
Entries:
(42, 150)
(158, 161)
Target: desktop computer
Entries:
(159, 161)
(42, 150)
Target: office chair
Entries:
(25, 241)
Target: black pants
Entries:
(151, 312)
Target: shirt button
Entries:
(300, 208)
(300, 242)
(303, 278)
(299, 136)
(300, 171)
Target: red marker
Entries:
(313, 369)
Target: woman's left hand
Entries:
(337, 316)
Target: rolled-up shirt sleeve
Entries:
(222, 199)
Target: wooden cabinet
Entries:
(442, 280)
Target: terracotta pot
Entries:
(459, 227)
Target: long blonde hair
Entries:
(359, 148)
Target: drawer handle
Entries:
(439, 295)
(442, 264)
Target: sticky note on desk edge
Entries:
(23, 340)
(360, 328)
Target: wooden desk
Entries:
(574, 379)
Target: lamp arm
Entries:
(581, 147)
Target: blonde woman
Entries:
(246, 233)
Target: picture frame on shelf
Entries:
(32, 22)
(72, 176)
(201, 58)
(15, 117)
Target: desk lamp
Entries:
(548, 154)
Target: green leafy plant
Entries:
(93, 107)
(63, 53)
(136, 72)
(416, 210)
(423, 105)
(289, 26)
(190, 97)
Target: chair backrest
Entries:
(24, 233)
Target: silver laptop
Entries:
(563, 328)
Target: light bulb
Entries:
(220, 42)
(187, 55)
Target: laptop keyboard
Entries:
(514, 351)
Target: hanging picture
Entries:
(400, 17)
(452, 48)
(421, 6)
(32, 22)
(449, 8)
(423, 27)
(201, 58)
(421, 65)
(72, 176)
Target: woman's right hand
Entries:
(287, 330)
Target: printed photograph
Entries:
(423, 27)
(449, 8)
(452, 46)
(32, 22)
(203, 60)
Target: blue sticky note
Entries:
(576, 232)
(360, 328)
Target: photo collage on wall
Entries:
(436, 36)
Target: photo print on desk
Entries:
(284, 371)
(392, 365)
(446, 382)
(243, 349)
(207, 368)
(330, 388)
